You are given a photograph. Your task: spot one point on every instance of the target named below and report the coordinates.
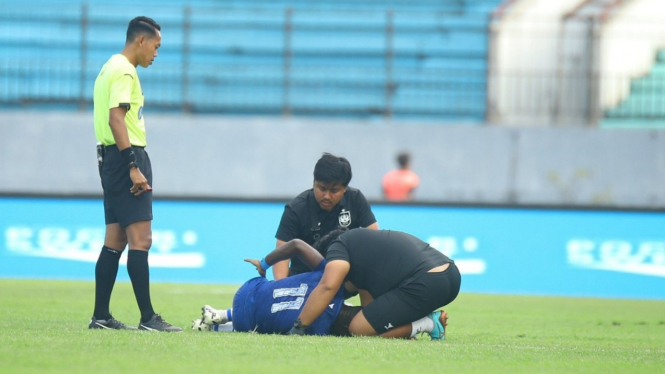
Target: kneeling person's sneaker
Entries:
(157, 323)
(212, 316)
(109, 323)
(438, 332)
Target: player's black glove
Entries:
(298, 328)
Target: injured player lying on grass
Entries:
(222, 321)
(270, 307)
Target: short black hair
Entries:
(333, 169)
(324, 242)
(403, 159)
(142, 25)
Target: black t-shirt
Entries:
(304, 219)
(382, 259)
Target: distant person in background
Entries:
(329, 205)
(399, 184)
(126, 174)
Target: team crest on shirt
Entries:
(344, 218)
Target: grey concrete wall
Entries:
(243, 157)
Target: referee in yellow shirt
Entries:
(126, 174)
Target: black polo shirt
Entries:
(382, 259)
(304, 219)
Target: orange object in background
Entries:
(398, 184)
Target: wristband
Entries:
(264, 264)
(298, 328)
(128, 155)
(132, 165)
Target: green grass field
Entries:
(43, 329)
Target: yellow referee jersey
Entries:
(117, 85)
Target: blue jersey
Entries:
(270, 307)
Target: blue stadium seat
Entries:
(646, 100)
(337, 61)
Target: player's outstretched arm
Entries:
(280, 270)
(296, 247)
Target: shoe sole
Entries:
(437, 323)
(97, 326)
(141, 327)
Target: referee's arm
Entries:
(119, 127)
(121, 137)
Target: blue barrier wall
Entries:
(513, 251)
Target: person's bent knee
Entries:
(360, 326)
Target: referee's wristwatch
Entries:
(133, 164)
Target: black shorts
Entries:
(413, 299)
(120, 205)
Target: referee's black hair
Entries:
(324, 242)
(142, 25)
(333, 169)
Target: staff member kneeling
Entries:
(406, 280)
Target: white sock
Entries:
(224, 327)
(223, 316)
(424, 324)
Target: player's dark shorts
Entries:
(120, 205)
(412, 300)
(243, 313)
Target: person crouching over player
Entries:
(270, 307)
(405, 280)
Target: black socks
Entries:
(106, 271)
(139, 273)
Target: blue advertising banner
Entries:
(509, 251)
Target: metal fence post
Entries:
(186, 36)
(594, 101)
(558, 93)
(288, 35)
(490, 78)
(390, 55)
(84, 55)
